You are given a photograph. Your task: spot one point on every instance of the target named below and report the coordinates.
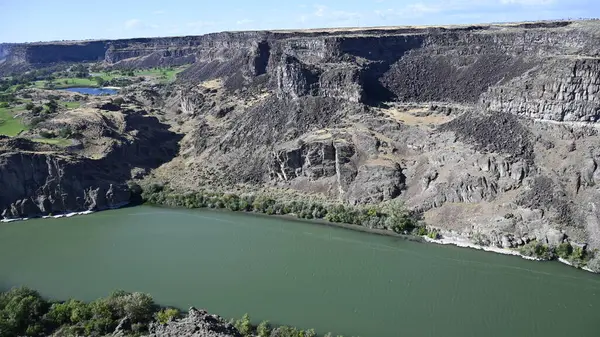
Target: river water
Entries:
(297, 273)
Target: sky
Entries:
(52, 20)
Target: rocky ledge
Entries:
(198, 323)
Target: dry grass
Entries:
(212, 84)
(417, 117)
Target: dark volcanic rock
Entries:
(494, 132)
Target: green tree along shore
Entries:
(24, 312)
(392, 216)
(387, 216)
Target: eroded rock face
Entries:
(46, 184)
(376, 183)
(38, 179)
(558, 90)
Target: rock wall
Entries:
(562, 90)
(38, 179)
(41, 184)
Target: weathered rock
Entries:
(376, 183)
(198, 323)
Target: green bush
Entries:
(166, 315)
(21, 312)
(264, 329)
(421, 231)
(564, 250)
(537, 250)
(47, 134)
(69, 312)
(395, 218)
(244, 325)
(433, 234)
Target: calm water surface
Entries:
(93, 91)
(300, 274)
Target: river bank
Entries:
(405, 226)
(389, 219)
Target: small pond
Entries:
(93, 91)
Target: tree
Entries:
(244, 325)
(564, 250)
(29, 106)
(49, 84)
(21, 312)
(264, 329)
(80, 71)
(99, 81)
(52, 106)
(37, 109)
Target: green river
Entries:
(297, 273)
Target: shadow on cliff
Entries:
(154, 146)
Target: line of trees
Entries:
(391, 217)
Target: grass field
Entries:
(61, 83)
(10, 126)
(71, 105)
(163, 74)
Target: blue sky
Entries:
(47, 20)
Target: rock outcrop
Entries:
(198, 323)
(38, 179)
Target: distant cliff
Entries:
(488, 131)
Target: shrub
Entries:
(21, 312)
(538, 250)
(564, 250)
(65, 132)
(264, 329)
(433, 234)
(118, 101)
(166, 315)
(47, 134)
(37, 109)
(244, 325)
(69, 312)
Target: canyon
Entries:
(488, 132)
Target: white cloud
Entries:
(421, 8)
(244, 21)
(320, 10)
(132, 23)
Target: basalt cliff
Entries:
(488, 131)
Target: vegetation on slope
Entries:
(389, 216)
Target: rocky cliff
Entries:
(488, 131)
(91, 174)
